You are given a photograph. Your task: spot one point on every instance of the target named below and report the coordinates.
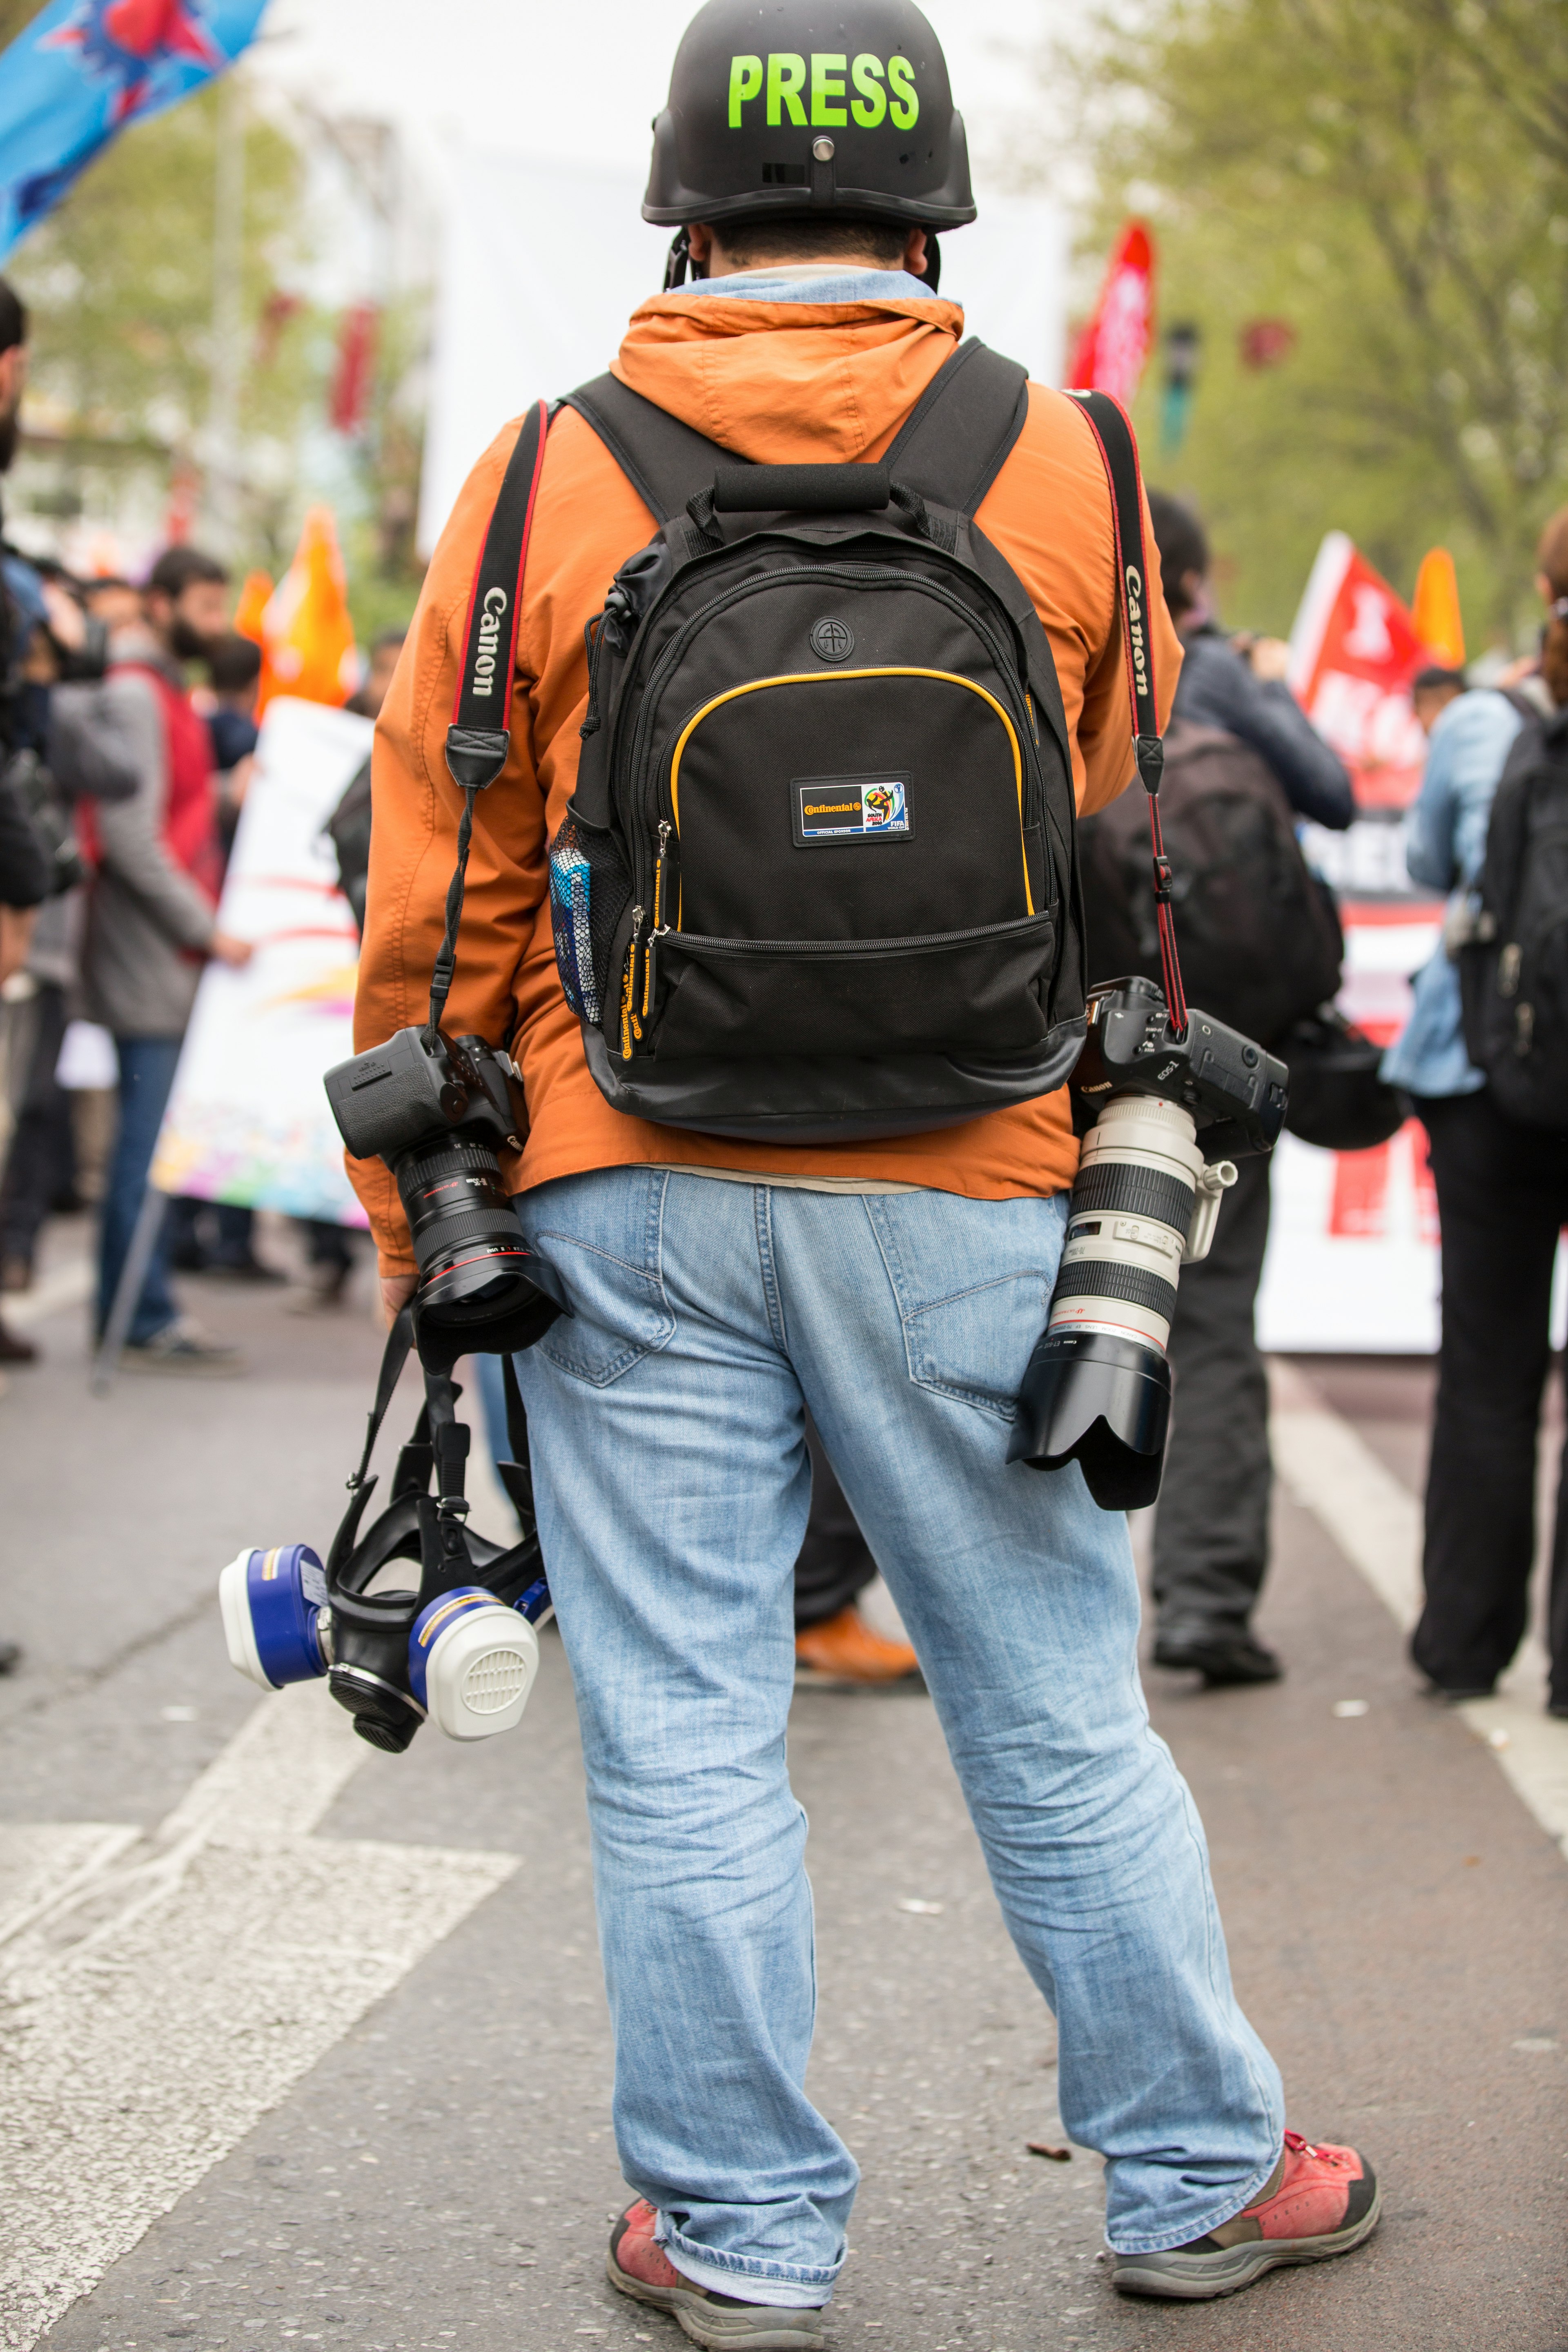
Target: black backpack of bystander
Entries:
(1261, 943)
(1514, 968)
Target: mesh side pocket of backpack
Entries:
(589, 888)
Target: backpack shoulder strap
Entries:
(665, 462)
(960, 431)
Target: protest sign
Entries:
(247, 1121)
(1353, 652)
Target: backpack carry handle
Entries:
(800, 490)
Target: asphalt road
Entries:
(350, 2019)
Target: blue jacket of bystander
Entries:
(1445, 851)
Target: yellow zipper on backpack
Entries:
(840, 677)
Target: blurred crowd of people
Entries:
(128, 734)
(128, 731)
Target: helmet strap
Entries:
(678, 261)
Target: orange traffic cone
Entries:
(307, 635)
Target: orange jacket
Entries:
(779, 384)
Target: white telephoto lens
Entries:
(1128, 1225)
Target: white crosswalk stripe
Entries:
(158, 1994)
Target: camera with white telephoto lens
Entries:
(1172, 1109)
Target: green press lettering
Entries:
(871, 105)
(745, 81)
(906, 107)
(786, 80)
(827, 84)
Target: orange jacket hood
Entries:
(788, 382)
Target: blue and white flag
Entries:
(83, 69)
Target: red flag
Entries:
(1353, 652)
(1110, 352)
(355, 368)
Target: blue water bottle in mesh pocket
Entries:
(570, 883)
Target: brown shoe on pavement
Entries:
(1316, 2203)
(844, 1649)
(637, 2265)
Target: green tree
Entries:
(1390, 178)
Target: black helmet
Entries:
(836, 108)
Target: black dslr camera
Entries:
(437, 1109)
(1166, 1111)
(1234, 1090)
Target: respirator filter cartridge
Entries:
(274, 1617)
(471, 1662)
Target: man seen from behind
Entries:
(895, 1288)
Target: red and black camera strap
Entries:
(479, 737)
(1118, 454)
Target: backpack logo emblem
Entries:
(839, 809)
(833, 641)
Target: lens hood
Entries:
(1101, 1401)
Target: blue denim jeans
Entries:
(667, 1420)
(147, 1066)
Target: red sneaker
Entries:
(1316, 2202)
(637, 2265)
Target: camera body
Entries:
(1163, 1116)
(419, 1085)
(439, 1111)
(1233, 1090)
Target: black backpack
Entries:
(1261, 944)
(1513, 971)
(817, 880)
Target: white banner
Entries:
(1353, 1246)
(247, 1121)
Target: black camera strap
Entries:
(479, 737)
(1118, 454)
(442, 1441)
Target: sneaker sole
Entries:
(709, 2323)
(1201, 2278)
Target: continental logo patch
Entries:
(838, 809)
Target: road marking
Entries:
(66, 1286)
(1376, 1523)
(160, 1993)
